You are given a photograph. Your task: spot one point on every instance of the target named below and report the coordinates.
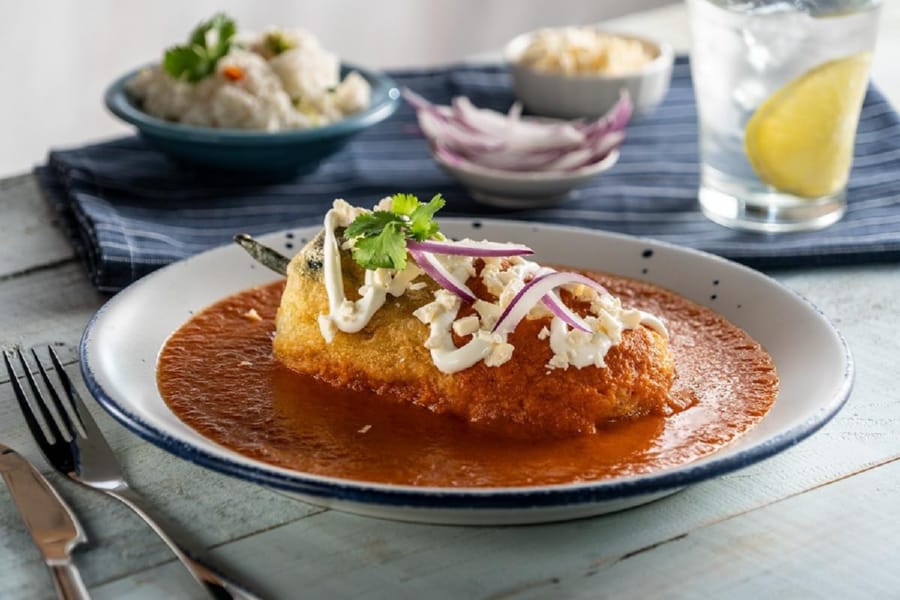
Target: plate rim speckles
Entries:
(118, 358)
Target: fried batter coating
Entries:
(521, 398)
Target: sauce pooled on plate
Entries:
(218, 375)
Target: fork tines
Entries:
(53, 422)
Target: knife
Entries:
(50, 521)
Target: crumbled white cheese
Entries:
(605, 302)
(252, 315)
(466, 325)
(582, 293)
(630, 318)
(461, 267)
(403, 280)
(497, 274)
(344, 213)
(539, 311)
(427, 312)
(488, 312)
(385, 204)
(381, 278)
(509, 292)
(610, 326)
(579, 348)
(501, 352)
(439, 316)
(585, 50)
(446, 299)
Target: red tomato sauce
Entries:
(217, 374)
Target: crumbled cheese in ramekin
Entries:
(584, 50)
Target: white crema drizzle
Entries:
(346, 315)
(503, 278)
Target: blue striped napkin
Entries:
(130, 210)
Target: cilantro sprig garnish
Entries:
(379, 237)
(208, 42)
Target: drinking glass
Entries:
(779, 87)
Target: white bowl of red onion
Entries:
(515, 161)
(506, 189)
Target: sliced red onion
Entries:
(559, 308)
(449, 156)
(503, 161)
(534, 291)
(553, 302)
(437, 127)
(519, 133)
(515, 111)
(444, 278)
(571, 160)
(465, 134)
(469, 248)
(615, 119)
(602, 148)
(414, 99)
(511, 160)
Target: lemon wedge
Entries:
(800, 140)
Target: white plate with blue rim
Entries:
(120, 347)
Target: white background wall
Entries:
(57, 56)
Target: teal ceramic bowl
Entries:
(288, 151)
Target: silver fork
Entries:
(73, 444)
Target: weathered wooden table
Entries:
(819, 520)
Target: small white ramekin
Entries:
(567, 96)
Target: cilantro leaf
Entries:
(208, 42)
(421, 222)
(221, 25)
(379, 237)
(184, 61)
(371, 224)
(198, 33)
(386, 250)
(403, 204)
(224, 29)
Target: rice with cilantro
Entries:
(280, 79)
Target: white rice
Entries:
(296, 89)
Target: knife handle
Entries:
(68, 583)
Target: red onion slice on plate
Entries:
(469, 248)
(533, 292)
(558, 308)
(431, 265)
(553, 302)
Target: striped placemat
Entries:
(131, 211)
